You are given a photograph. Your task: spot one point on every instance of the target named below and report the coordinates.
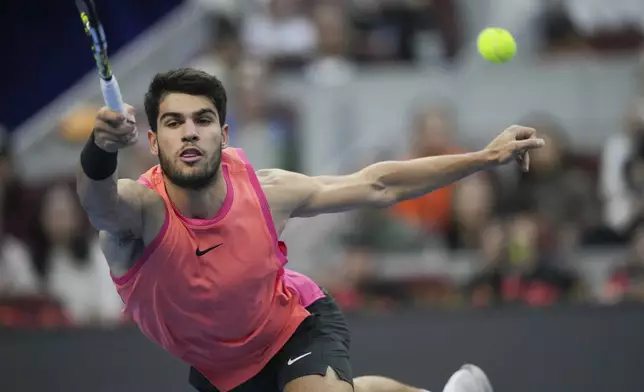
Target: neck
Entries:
(199, 204)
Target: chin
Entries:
(189, 166)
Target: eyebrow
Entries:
(199, 112)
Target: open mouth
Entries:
(190, 155)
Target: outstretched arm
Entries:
(386, 183)
(112, 205)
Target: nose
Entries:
(190, 133)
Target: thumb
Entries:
(130, 112)
(528, 144)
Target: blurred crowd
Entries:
(524, 231)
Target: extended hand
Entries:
(113, 131)
(514, 143)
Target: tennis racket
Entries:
(94, 30)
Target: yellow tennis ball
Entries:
(496, 45)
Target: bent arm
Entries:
(379, 185)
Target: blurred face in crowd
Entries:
(252, 92)
(189, 140)
(433, 132)
(473, 201)
(61, 216)
(492, 242)
(332, 29)
(523, 238)
(229, 49)
(547, 158)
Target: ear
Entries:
(224, 136)
(152, 139)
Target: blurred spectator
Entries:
(627, 281)
(371, 232)
(68, 256)
(523, 273)
(228, 9)
(609, 27)
(559, 193)
(433, 134)
(594, 25)
(21, 301)
(331, 64)
(260, 123)
(281, 34)
(224, 54)
(16, 199)
(622, 203)
(493, 242)
(17, 275)
(406, 30)
(557, 30)
(473, 206)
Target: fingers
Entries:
(522, 147)
(109, 113)
(114, 122)
(110, 117)
(528, 144)
(522, 133)
(130, 113)
(525, 164)
(523, 159)
(520, 140)
(116, 141)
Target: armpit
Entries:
(121, 250)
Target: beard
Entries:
(201, 177)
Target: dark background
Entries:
(46, 51)
(562, 349)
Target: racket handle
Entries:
(112, 95)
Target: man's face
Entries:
(189, 140)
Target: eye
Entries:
(204, 121)
(172, 124)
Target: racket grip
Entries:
(112, 95)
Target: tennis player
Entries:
(193, 245)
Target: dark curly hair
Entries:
(187, 81)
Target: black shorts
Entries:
(321, 341)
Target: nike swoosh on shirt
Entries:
(292, 361)
(203, 252)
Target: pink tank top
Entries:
(230, 310)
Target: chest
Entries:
(229, 256)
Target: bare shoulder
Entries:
(147, 202)
(286, 191)
(134, 190)
(284, 184)
(267, 176)
(278, 177)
